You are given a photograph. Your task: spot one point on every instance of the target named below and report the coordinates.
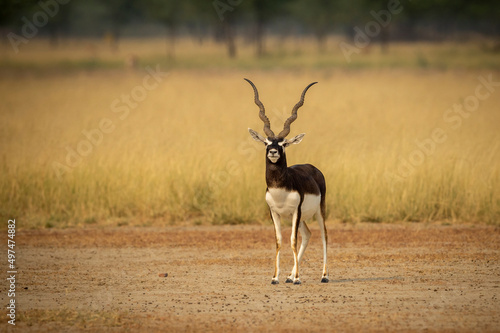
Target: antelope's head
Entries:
(275, 145)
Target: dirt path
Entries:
(383, 278)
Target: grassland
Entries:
(86, 140)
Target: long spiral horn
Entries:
(291, 119)
(262, 113)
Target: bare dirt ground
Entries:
(405, 277)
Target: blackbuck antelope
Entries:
(296, 192)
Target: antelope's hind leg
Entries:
(305, 233)
(324, 238)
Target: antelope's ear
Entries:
(257, 137)
(295, 140)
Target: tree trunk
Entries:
(115, 40)
(384, 39)
(259, 38)
(321, 39)
(53, 36)
(171, 39)
(230, 39)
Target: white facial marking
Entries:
(273, 155)
(283, 144)
(273, 159)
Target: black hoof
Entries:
(297, 282)
(288, 280)
(275, 282)
(324, 280)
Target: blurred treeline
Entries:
(253, 20)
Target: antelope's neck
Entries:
(276, 173)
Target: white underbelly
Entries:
(286, 203)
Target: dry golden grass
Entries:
(183, 152)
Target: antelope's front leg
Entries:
(294, 276)
(277, 229)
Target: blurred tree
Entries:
(198, 18)
(59, 23)
(10, 11)
(263, 12)
(384, 18)
(229, 32)
(438, 19)
(422, 19)
(119, 14)
(321, 16)
(51, 17)
(225, 16)
(170, 13)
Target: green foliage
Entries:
(316, 16)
